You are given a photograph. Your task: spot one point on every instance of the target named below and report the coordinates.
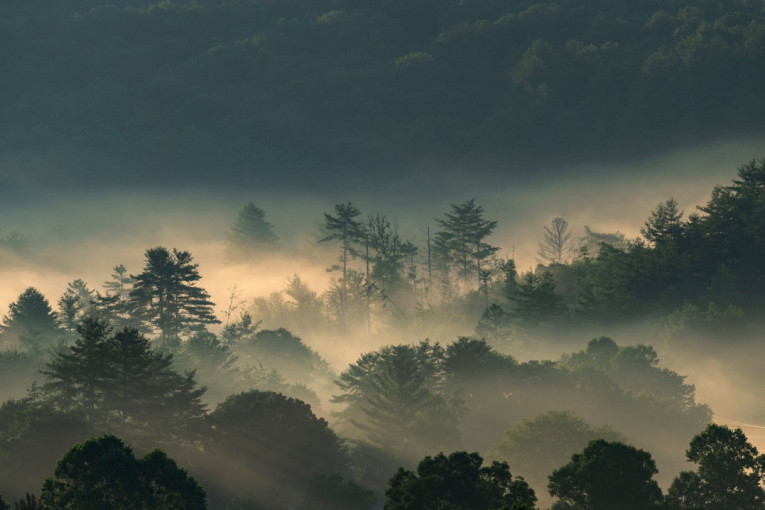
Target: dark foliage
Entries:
(460, 482)
(102, 474)
(336, 86)
(165, 296)
(606, 476)
(30, 323)
(729, 476)
(271, 444)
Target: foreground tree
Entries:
(165, 295)
(606, 476)
(729, 476)
(458, 482)
(102, 474)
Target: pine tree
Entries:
(118, 379)
(76, 378)
(664, 225)
(462, 237)
(251, 234)
(165, 296)
(31, 322)
(75, 303)
(536, 299)
(344, 228)
(114, 306)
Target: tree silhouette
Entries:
(267, 438)
(556, 244)
(393, 398)
(30, 321)
(75, 303)
(165, 295)
(605, 476)
(120, 380)
(77, 377)
(664, 225)
(463, 235)
(729, 476)
(251, 234)
(458, 482)
(344, 228)
(103, 474)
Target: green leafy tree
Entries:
(103, 474)
(604, 476)
(730, 472)
(458, 482)
(166, 297)
(30, 322)
(251, 234)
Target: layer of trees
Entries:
(103, 473)
(231, 85)
(136, 358)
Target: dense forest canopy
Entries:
(333, 92)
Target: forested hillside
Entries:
(246, 401)
(304, 92)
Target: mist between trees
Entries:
(242, 409)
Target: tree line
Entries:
(103, 473)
